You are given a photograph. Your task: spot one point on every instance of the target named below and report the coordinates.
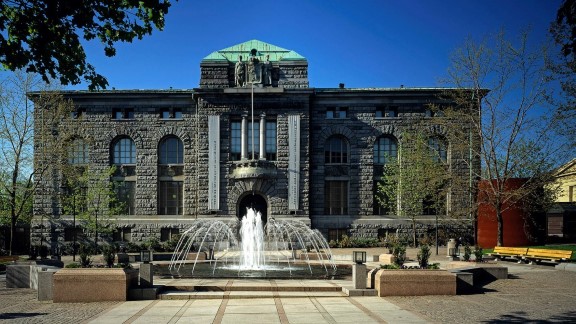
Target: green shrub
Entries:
(399, 253)
(72, 265)
(85, 253)
(170, 245)
(345, 242)
(423, 256)
(108, 253)
(467, 252)
(478, 253)
(392, 266)
(153, 244)
(434, 266)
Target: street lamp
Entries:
(359, 257)
(145, 256)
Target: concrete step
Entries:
(248, 289)
(175, 294)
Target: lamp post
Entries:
(359, 269)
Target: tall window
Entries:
(78, 152)
(336, 150)
(170, 198)
(171, 176)
(171, 151)
(124, 151)
(438, 148)
(125, 191)
(385, 148)
(254, 147)
(336, 197)
(271, 148)
(235, 140)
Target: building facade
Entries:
(253, 134)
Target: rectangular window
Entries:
(336, 234)
(170, 198)
(173, 113)
(124, 113)
(336, 197)
(271, 148)
(336, 112)
(387, 112)
(166, 234)
(72, 234)
(122, 235)
(379, 209)
(125, 192)
(235, 140)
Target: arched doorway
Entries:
(255, 201)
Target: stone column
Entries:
(263, 136)
(359, 276)
(244, 137)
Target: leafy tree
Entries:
(90, 194)
(563, 67)
(42, 36)
(503, 86)
(418, 180)
(17, 127)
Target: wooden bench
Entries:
(9, 258)
(516, 253)
(537, 255)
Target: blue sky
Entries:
(385, 43)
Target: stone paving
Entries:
(536, 294)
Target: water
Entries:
(248, 248)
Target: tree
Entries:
(41, 36)
(17, 127)
(511, 121)
(563, 67)
(91, 196)
(417, 183)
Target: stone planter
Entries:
(415, 282)
(386, 258)
(75, 285)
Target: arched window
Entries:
(171, 151)
(438, 148)
(124, 151)
(336, 150)
(385, 149)
(78, 152)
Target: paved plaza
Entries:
(536, 294)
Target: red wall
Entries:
(514, 220)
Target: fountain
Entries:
(247, 248)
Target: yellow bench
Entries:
(537, 255)
(516, 253)
(9, 258)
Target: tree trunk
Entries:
(413, 232)
(500, 220)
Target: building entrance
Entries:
(254, 201)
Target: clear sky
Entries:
(362, 43)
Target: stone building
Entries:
(254, 133)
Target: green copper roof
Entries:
(276, 53)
